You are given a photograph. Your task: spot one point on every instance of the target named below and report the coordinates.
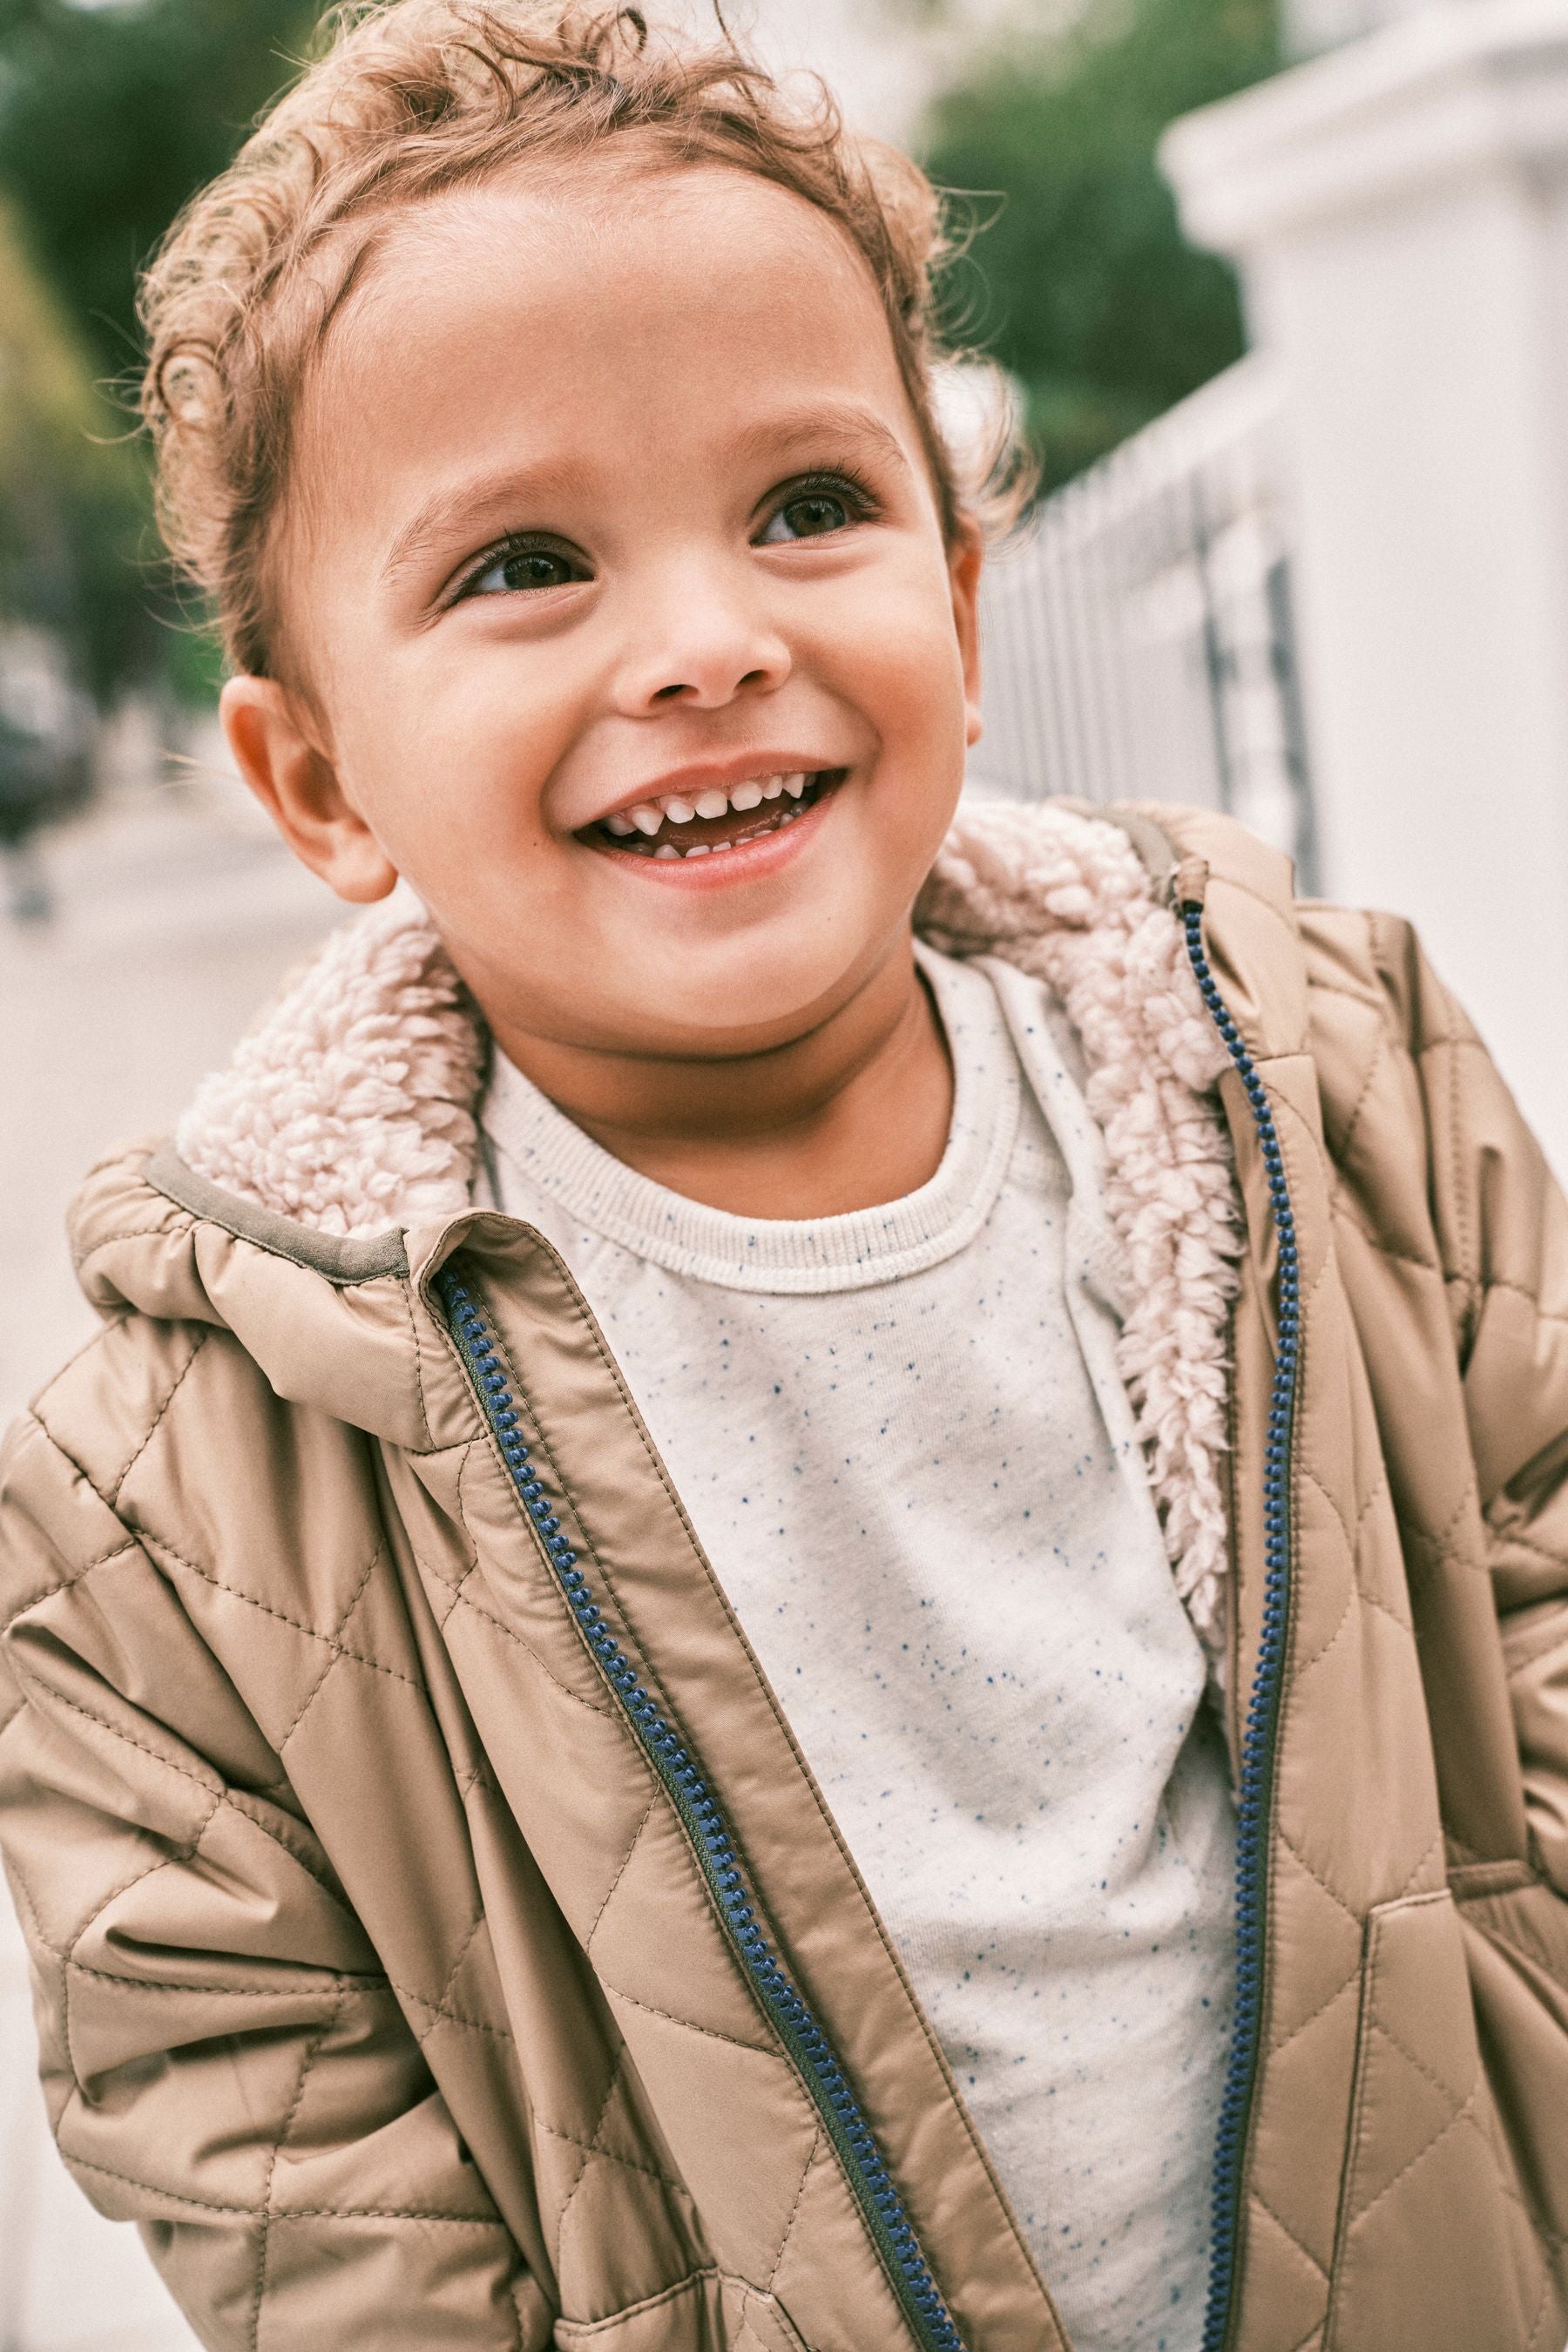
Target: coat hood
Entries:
(316, 1181)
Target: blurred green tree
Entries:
(71, 494)
(1080, 281)
(110, 116)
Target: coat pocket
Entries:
(1426, 2250)
(709, 2313)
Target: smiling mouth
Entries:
(715, 821)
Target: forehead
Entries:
(628, 310)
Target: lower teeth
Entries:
(667, 849)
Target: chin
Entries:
(755, 1010)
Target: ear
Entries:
(965, 562)
(277, 751)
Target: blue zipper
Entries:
(1256, 1782)
(688, 1788)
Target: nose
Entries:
(700, 640)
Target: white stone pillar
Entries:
(1400, 214)
(1313, 26)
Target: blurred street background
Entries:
(1280, 285)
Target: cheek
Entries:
(913, 692)
(449, 765)
(896, 656)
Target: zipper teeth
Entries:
(869, 2178)
(1257, 1739)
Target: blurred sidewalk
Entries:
(176, 912)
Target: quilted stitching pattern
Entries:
(1420, 2150)
(1391, 1536)
(356, 1628)
(609, 2187)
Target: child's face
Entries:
(606, 499)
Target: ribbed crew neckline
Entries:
(549, 1152)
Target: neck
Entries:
(851, 1115)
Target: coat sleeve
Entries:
(1515, 1393)
(223, 2061)
(1501, 1228)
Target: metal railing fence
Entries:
(1138, 636)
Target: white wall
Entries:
(1310, 26)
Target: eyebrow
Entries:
(844, 421)
(452, 513)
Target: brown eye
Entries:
(524, 568)
(810, 516)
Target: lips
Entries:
(714, 821)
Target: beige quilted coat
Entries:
(379, 1974)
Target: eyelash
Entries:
(839, 481)
(836, 481)
(522, 542)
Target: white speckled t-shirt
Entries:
(903, 1443)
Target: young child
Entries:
(605, 1730)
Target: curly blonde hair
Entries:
(410, 98)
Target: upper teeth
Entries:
(647, 816)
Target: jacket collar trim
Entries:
(342, 1259)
